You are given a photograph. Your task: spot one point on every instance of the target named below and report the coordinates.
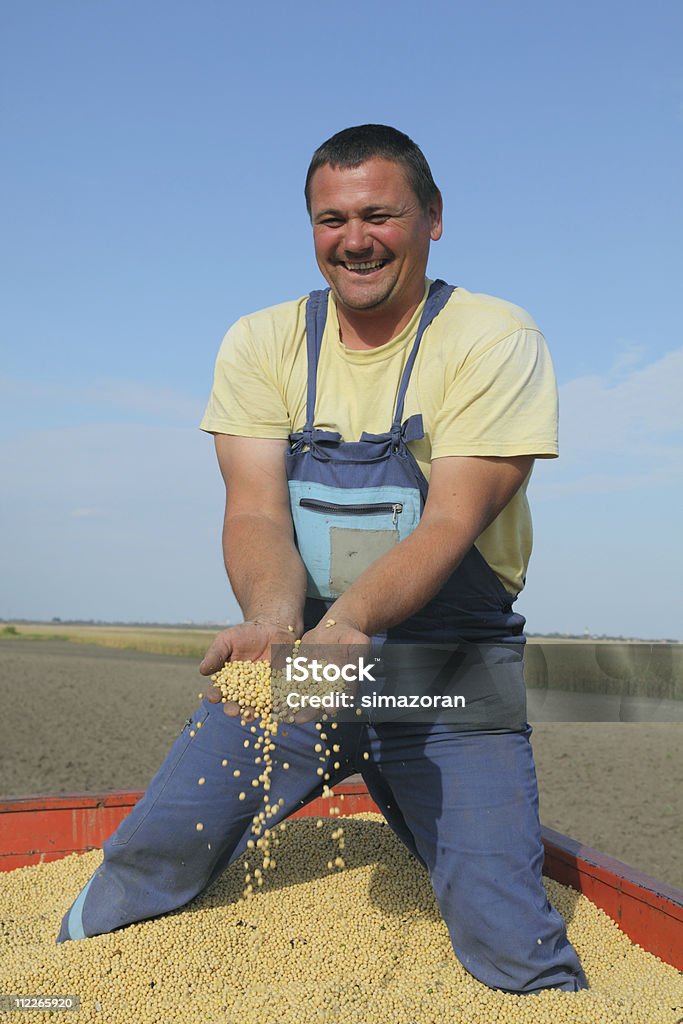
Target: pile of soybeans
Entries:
(361, 946)
(357, 940)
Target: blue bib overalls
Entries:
(463, 800)
(352, 500)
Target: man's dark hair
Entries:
(354, 146)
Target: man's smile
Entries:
(363, 267)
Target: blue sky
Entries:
(155, 157)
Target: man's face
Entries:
(371, 235)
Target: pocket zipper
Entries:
(395, 508)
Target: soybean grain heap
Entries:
(309, 947)
(305, 944)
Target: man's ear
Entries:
(435, 212)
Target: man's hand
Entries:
(331, 631)
(334, 642)
(248, 641)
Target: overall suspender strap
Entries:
(316, 315)
(438, 296)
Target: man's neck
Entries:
(365, 329)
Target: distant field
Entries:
(612, 667)
(155, 640)
(626, 668)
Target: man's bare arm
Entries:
(465, 496)
(264, 567)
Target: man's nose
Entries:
(356, 239)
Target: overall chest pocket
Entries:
(340, 532)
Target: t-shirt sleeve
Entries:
(245, 399)
(501, 402)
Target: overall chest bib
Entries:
(351, 501)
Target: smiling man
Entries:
(376, 440)
(371, 235)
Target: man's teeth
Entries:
(365, 266)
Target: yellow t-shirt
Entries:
(483, 382)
